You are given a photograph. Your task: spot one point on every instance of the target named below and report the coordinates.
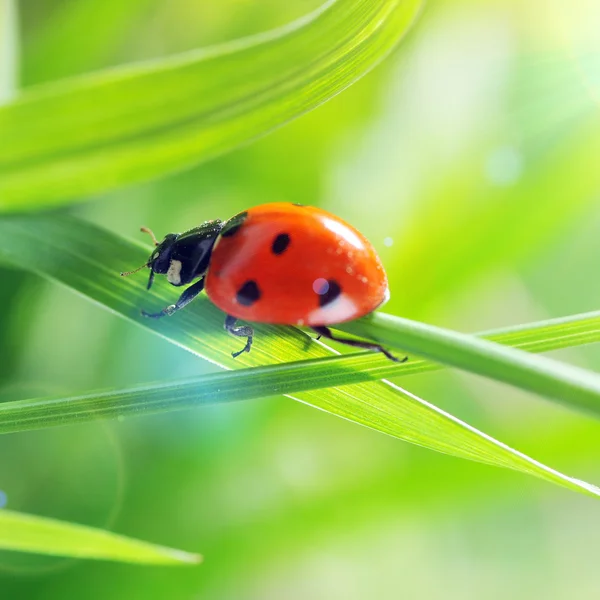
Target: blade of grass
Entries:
(541, 336)
(88, 260)
(453, 436)
(94, 133)
(40, 535)
(287, 378)
(24, 240)
(552, 334)
(570, 385)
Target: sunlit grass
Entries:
(29, 533)
(67, 140)
(285, 378)
(88, 260)
(63, 141)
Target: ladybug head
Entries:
(182, 257)
(160, 260)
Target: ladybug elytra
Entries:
(276, 263)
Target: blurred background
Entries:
(470, 158)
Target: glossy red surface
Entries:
(323, 253)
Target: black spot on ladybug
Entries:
(248, 294)
(328, 292)
(296, 204)
(231, 227)
(280, 243)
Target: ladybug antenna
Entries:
(150, 233)
(126, 273)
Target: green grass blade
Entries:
(573, 386)
(242, 384)
(90, 134)
(552, 334)
(88, 260)
(40, 535)
(541, 336)
(287, 378)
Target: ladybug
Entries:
(278, 263)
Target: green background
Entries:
(467, 159)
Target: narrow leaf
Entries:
(86, 135)
(29, 533)
(569, 384)
(258, 382)
(88, 260)
(286, 378)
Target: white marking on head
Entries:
(174, 272)
(339, 310)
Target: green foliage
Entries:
(92, 134)
(50, 54)
(509, 224)
(28, 533)
(88, 259)
(88, 135)
(285, 378)
(568, 384)
(281, 497)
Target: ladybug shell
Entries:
(295, 265)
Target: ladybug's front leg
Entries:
(188, 295)
(239, 331)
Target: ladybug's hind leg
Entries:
(326, 333)
(239, 331)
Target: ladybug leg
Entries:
(188, 295)
(326, 333)
(239, 331)
(310, 339)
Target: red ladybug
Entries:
(276, 263)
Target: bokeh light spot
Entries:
(320, 286)
(504, 166)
